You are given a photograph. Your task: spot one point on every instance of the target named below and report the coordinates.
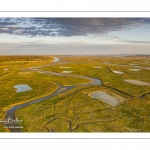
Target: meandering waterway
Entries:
(10, 118)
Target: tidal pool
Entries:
(121, 65)
(6, 69)
(106, 62)
(55, 59)
(104, 97)
(133, 64)
(143, 67)
(134, 69)
(42, 72)
(33, 67)
(25, 73)
(137, 82)
(97, 66)
(67, 71)
(22, 88)
(64, 67)
(118, 72)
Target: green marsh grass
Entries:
(75, 111)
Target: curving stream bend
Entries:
(10, 118)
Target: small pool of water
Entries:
(137, 82)
(97, 66)
(133, 64)
(106, 98)
(56, 59)
(143, 67)
(134, 69)
(22, 88)
(41, 72)
(121, 65)
(106, 62)
(64, 67)
(118, 72)
(67, 71)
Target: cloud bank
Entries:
(67, 27)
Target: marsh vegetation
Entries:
(75, 110)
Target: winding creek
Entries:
(10, 118)
(11, 121)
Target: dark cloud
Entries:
(67, 26)
(6, 23)
(84, 26)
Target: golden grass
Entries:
(75, 111)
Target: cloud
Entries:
(115, 37)
(13, 26)
(136, 42)
(68, 26)
(4, 29)
(7, 23)
(71, 49)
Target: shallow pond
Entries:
(104, 97)
(137, 82)
(133, 64)
(106, 62)
(6, 69)
(55, 59)
(64, 67)
(67, 71)
(134, 69)
(118, 72)
(22, 88)
(97, 66)
(143, 67)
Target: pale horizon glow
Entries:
(74, 36)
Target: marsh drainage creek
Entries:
(12, 124)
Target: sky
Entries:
(74, 36)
